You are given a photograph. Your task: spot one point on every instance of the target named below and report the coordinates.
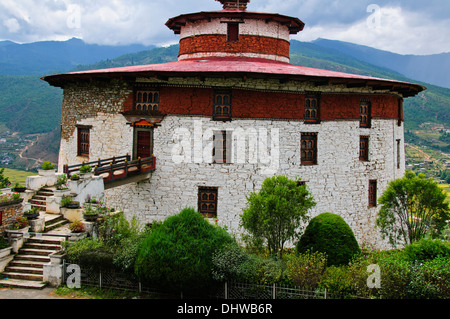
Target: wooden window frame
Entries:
(202, 201)
(373, 193)
(308, 149)
(222, 147)
(399, 143)
(365, 114)
(364, 148)
(312, 109)
(141, 101)
(222, 105)
(232, 32)
(83, 140)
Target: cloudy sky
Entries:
(401, 26)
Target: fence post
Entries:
(274, 291)
(100, 278)
(226, 290)
(325, 293)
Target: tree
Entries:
(412, 207)
(275, 213)
(178, 252)
(329, 234)
(4, 181)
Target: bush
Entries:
(338, 280)
(115, 227)
(427, 249)
(91, 253)
(178, 252)
(306, 269)
(329, 233)
(4, 243)
(125, 256)
(77, 226)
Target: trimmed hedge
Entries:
(328, 233)
(178, 252)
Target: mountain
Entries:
(45, 57)
(29, 105)
(431, 69)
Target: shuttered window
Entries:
(83, 140)
(207, 201)
(309, 148)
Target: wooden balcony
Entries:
(117, 171)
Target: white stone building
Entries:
(229, 113)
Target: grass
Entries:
(97, 293)
(18, 176)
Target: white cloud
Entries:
(398, 31)
(421, 28)
(12, 25)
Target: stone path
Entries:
(18, 293)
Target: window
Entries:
(365, 114)
(83, 140)
(222, 147)
(364, 148)
(146, 99)
(207, 201)
(312, 110)
(222, 106)
(309, 148)
(399, 143)
(233, 32)
(372, 193)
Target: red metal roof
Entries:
(237, 66)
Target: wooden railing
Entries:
(115, 168)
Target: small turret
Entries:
(234, 4)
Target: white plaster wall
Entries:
(110, 136)
(250, 27)
(339, 183)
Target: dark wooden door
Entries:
(144, 144)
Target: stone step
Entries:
(24, 284)
(49, 240)
(24, 270)
(22, 276)
(32, 258)
(45, 246)
(55, 225)
(27, 263)
(35, 252)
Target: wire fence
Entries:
(113, 279)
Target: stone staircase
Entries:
(26, 269)
(39, 200)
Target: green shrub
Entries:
(47, 165)
(227, 263)
(437, 273)
(306, 269)
(115, 227)
(178, 252)
(427, 249)
(125, 256)
(4, 243)
(329, 233)
(90, 253)
(338, 280)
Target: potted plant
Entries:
(10, 199)
(68, 202)
(78, 230)
(89, 213)
(32, 213)
(18, 188)
(47, 169)
(86, 171)
(21, 224)
(74, 177)
(61, 183)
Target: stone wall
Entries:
(339, 183)
(9, 214)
